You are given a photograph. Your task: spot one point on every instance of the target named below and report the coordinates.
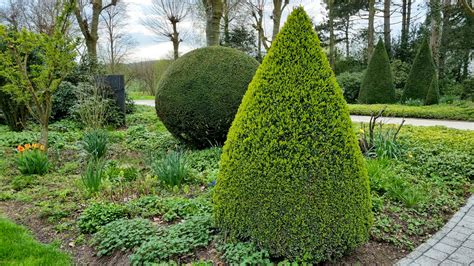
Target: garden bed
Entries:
(413, 195)
(463, 111)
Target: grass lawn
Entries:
(413, 196)
(135, 95)
(17, 247)
(463, 111)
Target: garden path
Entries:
(388, 120)
(453, 245)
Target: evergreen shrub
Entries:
(199, 94)
(292, 178)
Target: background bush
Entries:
(291, 173)
(198, 96)
(13, 113)
(377, 85)
(350, 83)
(98, 215)
(64, 99)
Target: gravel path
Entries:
(388, 120)
(453, 245)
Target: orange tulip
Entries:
(20, 148)
(27, 146)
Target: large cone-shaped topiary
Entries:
(292, 178)
(432, 97)
(377, 85)
(422, 71)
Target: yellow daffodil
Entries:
(27, 146)
(35, 146)
(41, 147)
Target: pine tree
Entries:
(292, 177)
(377, 85)
(422, 71)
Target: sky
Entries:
(147, 47)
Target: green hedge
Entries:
(377, 85)
(199, 94)
(442, 111)
(292, 178)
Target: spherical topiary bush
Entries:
(292, 178)
(199, 94)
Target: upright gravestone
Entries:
(116, 88)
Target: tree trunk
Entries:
(44, 135)
(386, 27)
(175, 39)
(408, 17)
(346, 35)
(214, 11)
(435, 13)
(370, 33)
(404, 34)
(446, 28)
(278, 7)
(332, 38)
(91, 45)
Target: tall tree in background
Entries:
(214, 10)
(164, 20)
(435, 14)
(386, 26)
(332, 37)
(89, 25)
(371, 29)
(230, 13)
(118, 43)
(278, 8)
(257, 9)
(405, 32)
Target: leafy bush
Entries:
(244, 254)
(93, 175)
(15, 114)
(32, 159)
(350, 84)
(21, 182)
(199, 94)
(171, 169)
(377, 85)
(141, 138)
(175, 240)
(468, 89)
(117, 173)
(170, 209)
(95, 143)
(291, 170)
(204, 160)
(400, 71)
(64, 99)
(98, 215)
(92, 106)
(123, 235)
(421, 74)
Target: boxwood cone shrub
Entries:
(292, 178)
(377, 85)
(199, 94)
(432, 97)
(422, 71)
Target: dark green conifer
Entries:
(377, 85)
(421, 74)
(292, 177)
(433, 92)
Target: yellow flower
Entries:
(41, 147)
(361, 131)
(35, 146)
(409, 155)
(27, 146)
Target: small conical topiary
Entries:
(432, 97)
(377, 85)
(292, 177)
(422, 71)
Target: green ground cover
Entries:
(462, 111)
(413, 193)
(18, 247)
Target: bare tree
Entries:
(87, 14)
(257, 9)
(230, 13)
(436, 20)
(370, 30)
(214, 11)
(386, 26)
(278, 8)
(117, 42)
(35, 15)
(164, 20)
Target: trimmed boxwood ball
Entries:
(292, 178)
(377, 85)
(421, 74)
(199, 94)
